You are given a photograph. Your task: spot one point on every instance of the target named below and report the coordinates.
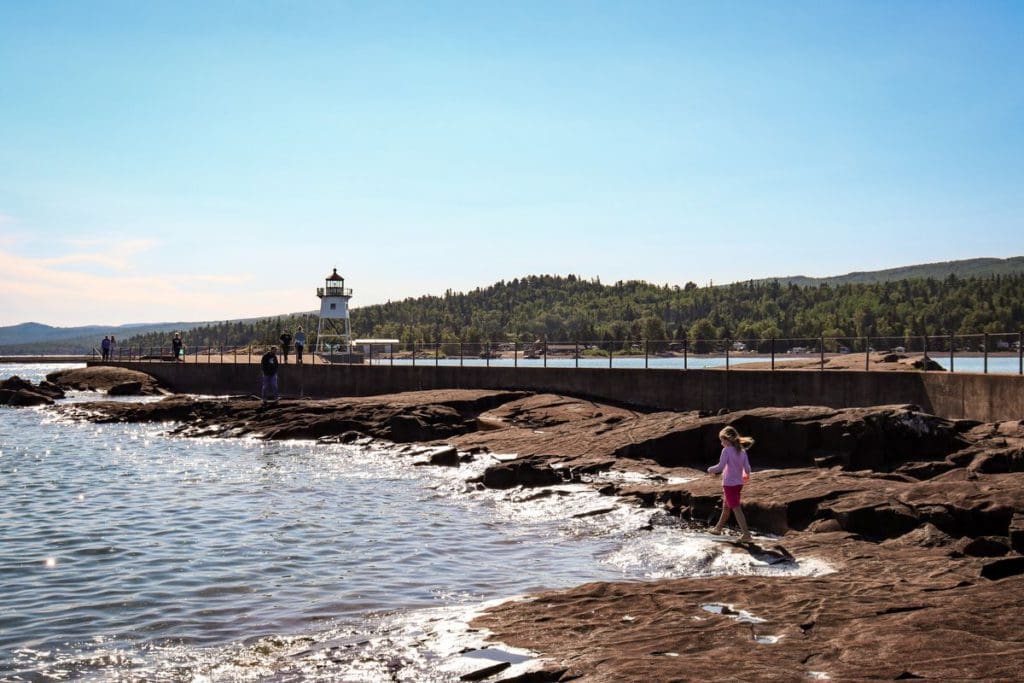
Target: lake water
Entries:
(129, 555)
(996, 364)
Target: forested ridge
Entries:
(557, 308)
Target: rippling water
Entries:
(130, 555)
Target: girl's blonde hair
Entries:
(733, 437)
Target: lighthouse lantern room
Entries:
(333, 328)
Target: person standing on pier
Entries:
(112, 351)
(300, 344)
(105, 348)
(268, 366)
(176, 345)
(286, 343)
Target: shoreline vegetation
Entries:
(921, 517)
(562, 309)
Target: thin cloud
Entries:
(218, 279)
(115, 256)
(44, 289)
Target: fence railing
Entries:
(998, 353)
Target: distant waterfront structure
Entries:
(333, 328)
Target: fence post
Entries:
(576, 355)
(867, 354)
(727, 345)
(951, 350)
(773, 353)
(437, 354)
(985, 342)
(1020, 353)
(924, 360)
(462, 352)
(686, 344)
(545, 350)
(611, 352)
(647, 353)
(515, 354)
(414, 354)
(821, 349)
(487, 355)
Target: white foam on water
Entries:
(664, 553)
(427, 645)
(625, 477)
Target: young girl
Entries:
(735, 467)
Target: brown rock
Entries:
(125, 389)
(522, 472)
(445, 457)
(1016, 532)
(102, 378)
(983, 546)
(18, 392)
(23, 398)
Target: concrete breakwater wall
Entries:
(988, 398)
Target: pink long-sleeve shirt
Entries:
(732, 463)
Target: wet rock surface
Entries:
(401, 418)
(18, 392)
(922, 518)
(113, 380)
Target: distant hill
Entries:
(978, 267)
(919, 299)
(39, 338)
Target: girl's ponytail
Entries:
(730, 434)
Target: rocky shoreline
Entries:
(923, 518)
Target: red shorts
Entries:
(732, 495)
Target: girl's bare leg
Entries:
(721, 520)
(742, 519)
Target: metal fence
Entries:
(997, 353)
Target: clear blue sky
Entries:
(214, 160)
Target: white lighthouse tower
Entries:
(334, 325)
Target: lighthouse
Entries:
(334, 326)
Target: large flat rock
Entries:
(107, 378)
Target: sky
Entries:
(194, 161)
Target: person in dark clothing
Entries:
(105, 348)
(176, 345)
(286, 343)
(268, 365)
(300, 344)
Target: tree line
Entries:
(569, 308)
